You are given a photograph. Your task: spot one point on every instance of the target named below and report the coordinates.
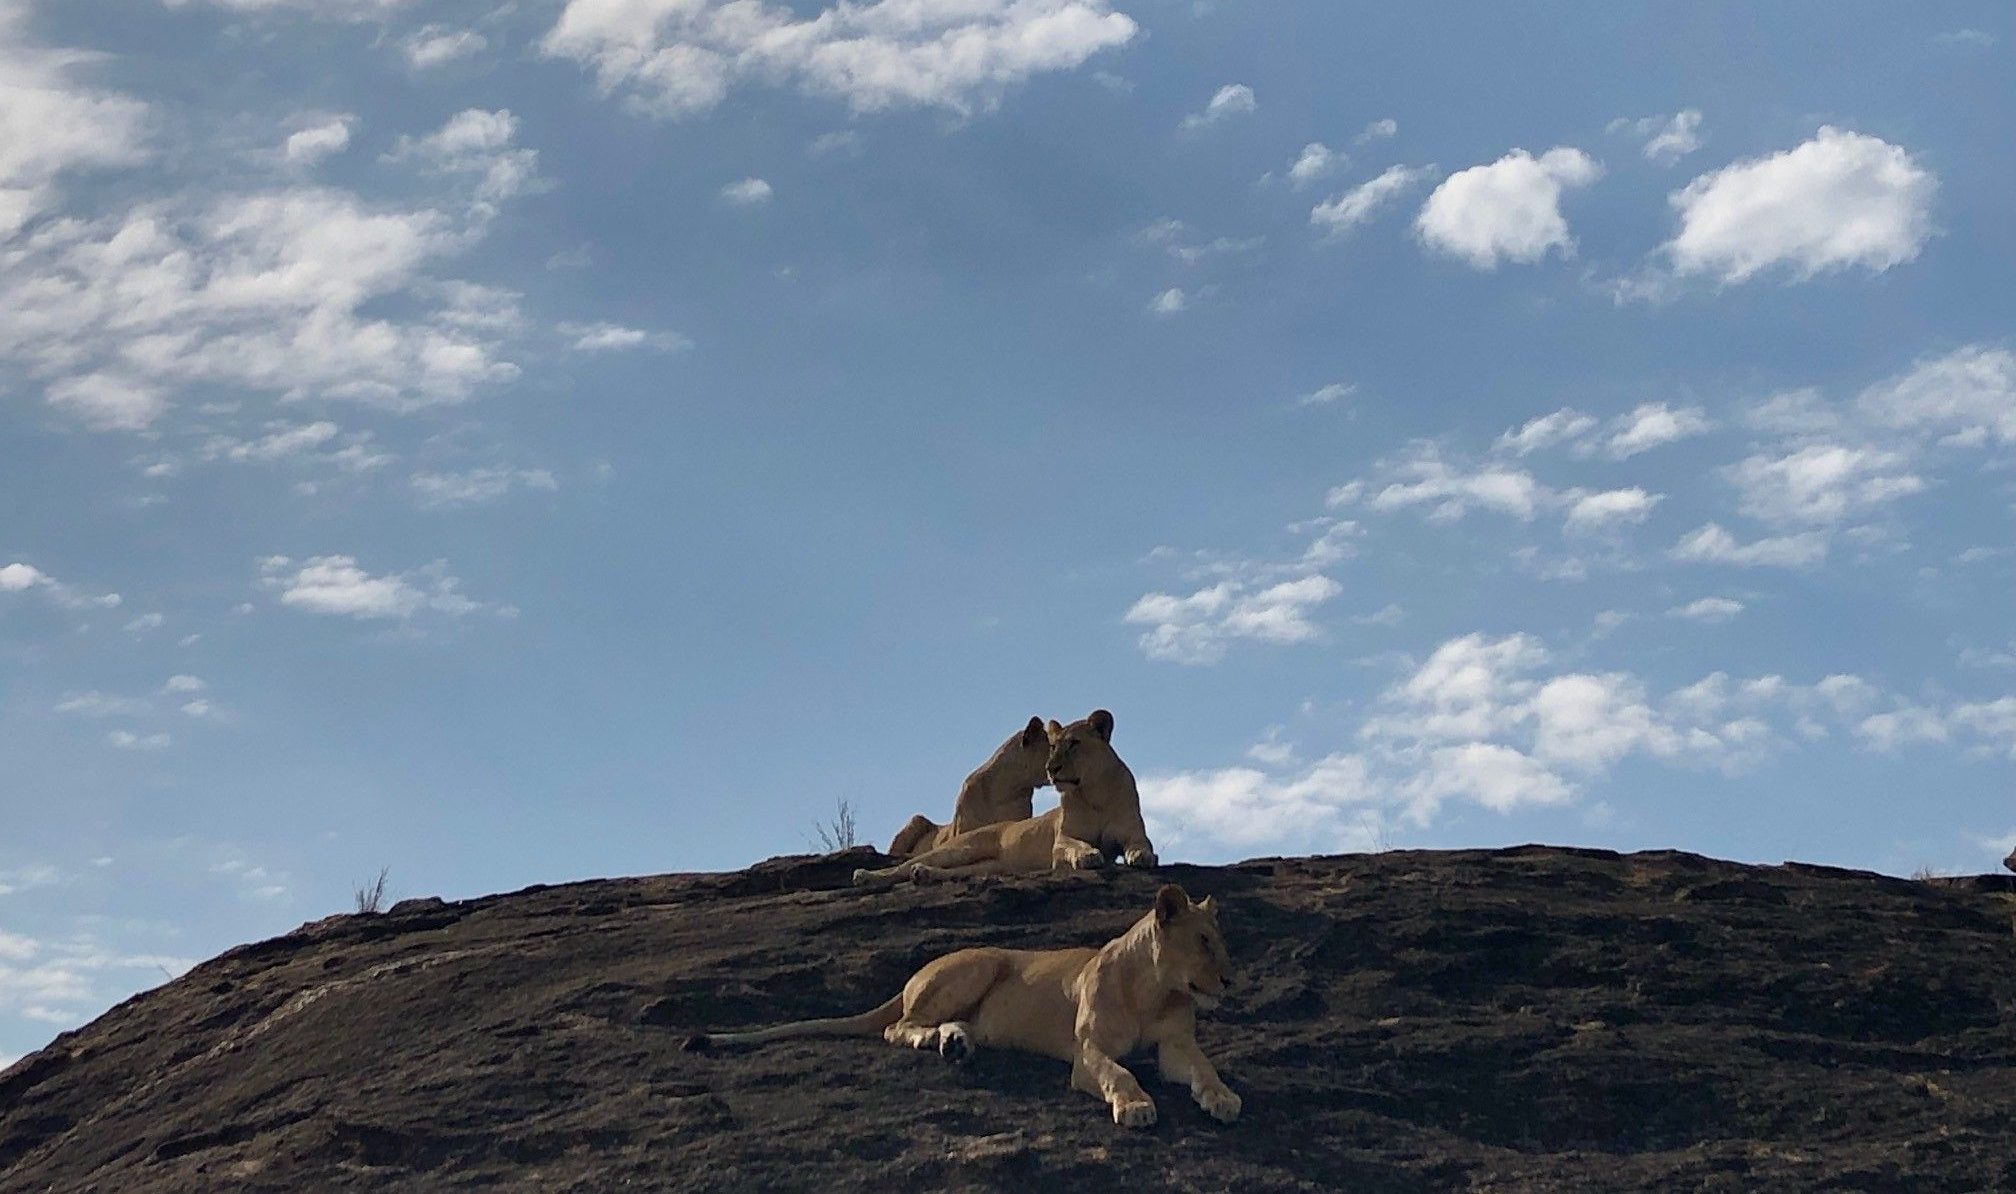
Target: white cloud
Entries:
(1169, 302)
(1711, 610)
(1175, 237)
(184, 684)
(1336, 391)
(18, 577)
(318, 138)
(1588, 512)
(435, 45)
(328, 10)
(1449, 492)
(1712, 544)
(267, 292)
(1968, 395)
(614, 337)
(1978, 38)
(101, 704)
(1546, 431)
(1821, 483)
(1652, 425)
(1196, 629)
(748, 192)
(1378, 130)
(1233, 99)
(1841, 199)
(477, 144)
(146, 622)
(338, 587)
(128, 740)
(440, 491)
(1340, 214)
(1509, 210)
(52, 125)
(1314, 162)
(1667, 138)
(679, 57)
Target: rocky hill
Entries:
(1524, 1019)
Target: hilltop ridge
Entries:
(1520, 1019)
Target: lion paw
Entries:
(1140, 856)
(955, 1044)
(863, 877)
(1220, 1104)
(1134, 1115)
(1089, 861)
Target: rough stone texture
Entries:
(1525, 1019)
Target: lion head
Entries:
(1189, 947)
(1082, 752)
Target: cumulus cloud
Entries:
(18, 577)
(479, 145)
(1493, 722)
(1169, 302)
(1652, 425)
(1641, 429)
(614, 337)
(318, 137)
(1197, 628)
(1667, 138)
(436, 45)
(476, 487)
(336, 586)
(1713, 544)
(1839, 200)
(54, 125)
(675, 58)
(1711, 610)
(747, 192)
(1821, 483)
(1449, 492)
(1509, 210)
(1589, 512)
(285, 291)
(1336, 391)
(1967, 396)
(1378, 130)
(1340, 214)
(1316, 161)
(328, 10)
(1233, 99)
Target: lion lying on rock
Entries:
(1098, 815)
(1085, 1006)
(1002, 789)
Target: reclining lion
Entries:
(1089, 1007)
(1002, 789)
(1098, 815)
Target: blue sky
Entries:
(520, 442)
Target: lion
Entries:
(1089, 1007)
(1098, 815)
(1002, 789)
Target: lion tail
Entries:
(914, 838)
(869, 1023)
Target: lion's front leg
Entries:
(1071, 854)
(1180, 1060)
(1099, 1075)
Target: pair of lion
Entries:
(1088, 1007)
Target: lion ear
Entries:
(1054, 730)
(1102, 724)
(1168, 902)
(1207, 904)
(1033, 733)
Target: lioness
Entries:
(1002, 789)
(1085, 1006)
(1098, 815)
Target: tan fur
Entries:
(1089, 1007)
(1098, 815)
(1001, 789)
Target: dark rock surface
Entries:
(1525, 1019)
